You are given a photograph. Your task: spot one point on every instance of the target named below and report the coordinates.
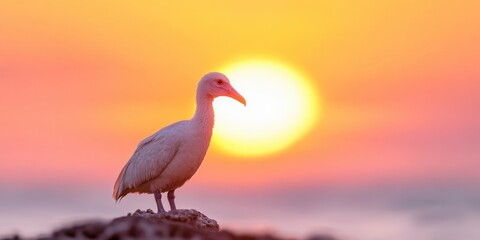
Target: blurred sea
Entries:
(373, 213)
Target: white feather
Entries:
(171, 156)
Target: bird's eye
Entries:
(220, 82)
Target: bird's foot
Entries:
(158, 199)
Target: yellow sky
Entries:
(83, 82)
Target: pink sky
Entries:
(81, 84)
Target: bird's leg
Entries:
(158, 199)
(171, 199)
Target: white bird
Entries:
(166, 160)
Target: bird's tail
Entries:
(118, 190)
(116, 193)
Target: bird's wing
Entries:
(148, 161)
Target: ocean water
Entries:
(368, 213)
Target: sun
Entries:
(281, 108)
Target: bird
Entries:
(167, 159)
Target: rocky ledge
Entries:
(177, 224)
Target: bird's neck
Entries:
(204, 114)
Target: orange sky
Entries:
(83, 82)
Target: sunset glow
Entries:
(376, 99)
(281, 108)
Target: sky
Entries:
(394, 153)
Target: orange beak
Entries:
(235, 95)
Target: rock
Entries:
(14, 237)
(177, 224)
(321, 237)
(190, 217)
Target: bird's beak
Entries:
(235, 95)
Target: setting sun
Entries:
(281, 108)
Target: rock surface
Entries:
(177, 224)
(189, 217)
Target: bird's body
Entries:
(184, 143)
(167, 159)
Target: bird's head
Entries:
(216, 84)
